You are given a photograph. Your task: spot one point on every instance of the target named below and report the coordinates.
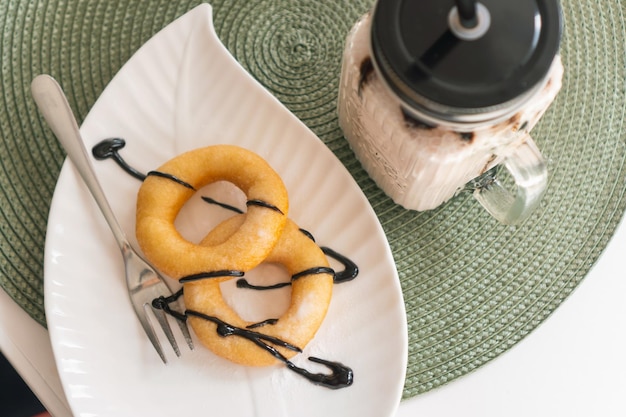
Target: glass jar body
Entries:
(419, 164)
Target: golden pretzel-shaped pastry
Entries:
(165, 191)
(311, 291)
(235, 246)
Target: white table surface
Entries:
(572, 365)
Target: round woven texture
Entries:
(473, 288)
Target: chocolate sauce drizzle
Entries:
(109, 148)
(349, 272)
(172, 178)
(223, 205)
(313, 271)
(350, 269)
(243, 283)
(262, 323)
(341, 376)
(264, 204)
(211, 274)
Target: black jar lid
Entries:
(428, 62)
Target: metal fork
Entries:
(144, 282)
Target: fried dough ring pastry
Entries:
(311, 291)
(165, 191)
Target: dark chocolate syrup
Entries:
(172, 178)
(413, 123)
(467, 136)
(350, 269)
(349, 272)
(223, 205)
(313, 271)
(307, 234)
(262, 323)
(262, 203)
(108, 148)
(367, 73)
(211, 274)
(341, 376)
(243, 283)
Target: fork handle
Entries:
(57, 112)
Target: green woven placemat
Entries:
(473, 288)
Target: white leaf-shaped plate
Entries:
(180, 91)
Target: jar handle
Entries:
(528, 169)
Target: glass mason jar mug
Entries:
(434, 93)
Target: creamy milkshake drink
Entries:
(428, 104)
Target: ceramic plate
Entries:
(180, 91)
